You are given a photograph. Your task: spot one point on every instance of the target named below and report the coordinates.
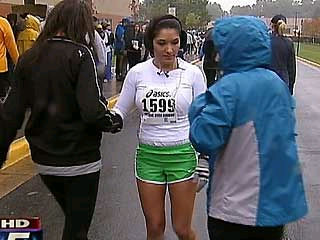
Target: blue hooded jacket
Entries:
(246, 124)
(119, 38)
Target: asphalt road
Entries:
(308, 118)
(118, 215)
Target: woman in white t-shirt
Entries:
(162, 88)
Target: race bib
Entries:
(159, 107)
(135, 44)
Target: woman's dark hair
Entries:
(73, 18)
(12, 18)
(159, 23)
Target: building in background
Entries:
(5, 6)
(110, 10)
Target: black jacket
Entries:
(130, 36)
(283, 59)
(209, 51)
(68, 113)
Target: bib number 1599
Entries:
(158, 105)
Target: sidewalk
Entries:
(111, 88)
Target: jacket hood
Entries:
(243, 43)
(32, 22)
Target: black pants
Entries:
(77, 198)
(121, 66)
(134, 58)
(4, 83)
(221, 230)
(210, 75)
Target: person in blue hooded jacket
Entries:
(119, 50)
(246, 124)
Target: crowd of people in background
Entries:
(19, 34)
(117, 50)
(122, 48)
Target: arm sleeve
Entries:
(10, 43)
(126, 99)
(201, 53)
(199, 85)
(292, 67)
(210, 117)
(93, 107)
(118, 33)
(12, 112)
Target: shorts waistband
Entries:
(164, 144)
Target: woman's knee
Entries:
(155, 227)
(183, 231)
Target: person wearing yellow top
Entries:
(7, 43)
(28, 36)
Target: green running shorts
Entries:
(165, 164)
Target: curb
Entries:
(20, 150)
(308, 61)
(112, 101)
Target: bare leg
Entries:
(152, 199)
(182, 197)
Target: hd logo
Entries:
(20, 229)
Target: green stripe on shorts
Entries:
(165, 164)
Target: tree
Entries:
(214, 11)
(245, 10)
(192, 20)
(316, 11)
(152, 8)
(289, 8)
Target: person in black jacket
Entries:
(133, 44)
(57, 80)
(283, 54)
(209, 62)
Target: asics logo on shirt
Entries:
(158, 94)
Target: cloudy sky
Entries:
(227, 4)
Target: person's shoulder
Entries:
(188, 66)
(289, 40)
(3, 20)
(28, 34)
(67, 43)
(77, 50)
(142, 67)
(4, 24)
(97, 36)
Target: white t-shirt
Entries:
(162, 100)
